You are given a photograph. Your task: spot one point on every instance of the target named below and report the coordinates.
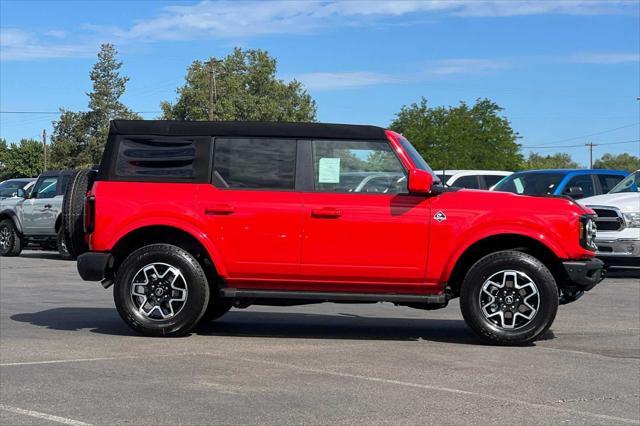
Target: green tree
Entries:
(461, 137)
(24, 159)
(622, 161)
(4, 158)
(79, 138)
(246, 89)
(559, 160)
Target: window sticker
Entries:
(329, 170)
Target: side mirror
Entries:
(420, 181)
(575, 192)
(20, 193)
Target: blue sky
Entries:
(566, 72)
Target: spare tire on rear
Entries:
(73, 211)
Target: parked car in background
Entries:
(618, 222)
(471, 179)
(33, 218)
(576, 183)
(9, 188)
(188, 219)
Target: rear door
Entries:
(362, 230)
(253, 211)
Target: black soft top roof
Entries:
(245, 128)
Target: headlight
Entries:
(632, 220)
(588, 231)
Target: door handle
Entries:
(219, 209)
(326, 212)
(47, 206)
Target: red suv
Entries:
(189, 219)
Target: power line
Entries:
(58, 112)
(577, 145)
(591, 134)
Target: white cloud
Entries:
(605, 58)
(321, 81)
(346, 80)
(238, 20)
(16, 44)
(244, 19)
(466, 66)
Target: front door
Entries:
(362, 230)
(254, 213)
(38, 212)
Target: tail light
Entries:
(89, 213)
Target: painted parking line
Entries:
(442, 389)
(44, 416)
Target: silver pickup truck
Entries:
(33, 218)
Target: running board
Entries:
(235, 293)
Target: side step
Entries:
(235, 293)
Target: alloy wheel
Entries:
(5, 237)
(159, 291)
(509, 299)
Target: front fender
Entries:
(472, 236)
(14, 217)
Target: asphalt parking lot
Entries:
(66, 357)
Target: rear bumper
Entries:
(93, 266)
(584, 274)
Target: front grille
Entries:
(609, 218)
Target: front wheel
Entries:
(11, 241)
(509, 298)
(161, 290)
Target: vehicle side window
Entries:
(470, 182)
(357, 166)
(583, 182)
(607, 182)
(162, 158)
(46, 187)
(259, 163)
(63, 184)
(491, 180)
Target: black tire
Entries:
(194, 280)
(62, 246)
(217, 308)
(73, 210)
(526, 267)
(11, 241)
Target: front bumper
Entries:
(584, 274)
(619, 252)
(93, 266)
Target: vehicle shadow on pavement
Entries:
(98, 320)
(272, 325)
(42, 255)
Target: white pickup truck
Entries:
(618, 221)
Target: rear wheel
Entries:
(73, 210)
(11, 241)
(161, 290)
(509, 298)
(62, 246)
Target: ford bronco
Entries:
(189, 219)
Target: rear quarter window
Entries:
(162, 158)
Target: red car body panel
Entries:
(344, 242)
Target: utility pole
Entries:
(590, 145)
(213, 95)
(44, 144)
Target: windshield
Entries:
(628, 184)
(530, 183)
(415, 156)
(8, 188)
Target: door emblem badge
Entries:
(440, 216)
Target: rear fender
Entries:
(182, 225)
